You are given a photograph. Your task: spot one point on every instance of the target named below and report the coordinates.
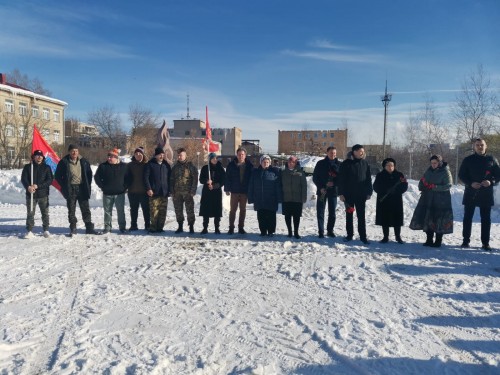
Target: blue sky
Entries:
(258, 65)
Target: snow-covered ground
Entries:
(241, 304)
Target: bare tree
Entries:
(109, 124)
(16, 135)
(144, 128)
(434, 134)
(475, 106)
(32, 84)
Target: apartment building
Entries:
(312, 142)
(20, 110)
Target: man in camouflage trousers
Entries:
(184, 182)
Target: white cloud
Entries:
(336, 57)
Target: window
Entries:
(324, 135)
(315, 135)
(299, 135)
(308, 135)
(331, 135)
(292, 135)
(187, 132)
(203, 133)
(22, 131)
(23, 109)
(331, 144)
(56, 135)
(34, 111)
(324, 143)
(57, 116)
(9, 130)
(46, 133)
(11, 152)
(9, 106)
(46, 114)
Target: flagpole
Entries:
(31, 207)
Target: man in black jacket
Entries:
(355, 189)
(479, 172)
(111, 178)
(36, 178)
(325, 178)
(74, 175)
(238, 174)
(157, 173)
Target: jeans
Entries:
(320, 213)
(119, 201)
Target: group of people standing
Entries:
(149, 183)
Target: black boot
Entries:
(296, 223)
(385, 231)
(397, 233)
(191, 228)
(90, 229)
(439, 240)
(288, 222)
(217, 225)
(231, 229)
(205, 226)
(180, 229)
(430, 239)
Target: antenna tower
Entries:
(385, 99)
(188, 117)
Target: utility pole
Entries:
(385, 99)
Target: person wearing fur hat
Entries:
(157, 174)
(265, 192)
(184, 182)
(111, 179)
(136, 190)
(390, 184)
(355, 188)
(74, 175)
(433, 213)
(36, 178)
(212, 177)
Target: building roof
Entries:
(18, 90)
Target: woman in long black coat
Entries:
(211, 194)
(390, 184)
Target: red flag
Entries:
(51, 158)
(212, 147)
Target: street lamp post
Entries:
(198, 156)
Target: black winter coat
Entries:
(264, 190)
(211, 200)
(233, 182)
(355, 180)
(42, 177)
(63, 177)
(111, 178)
(476, 168)
(390, 188)
(157, 178)
(325, 171)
